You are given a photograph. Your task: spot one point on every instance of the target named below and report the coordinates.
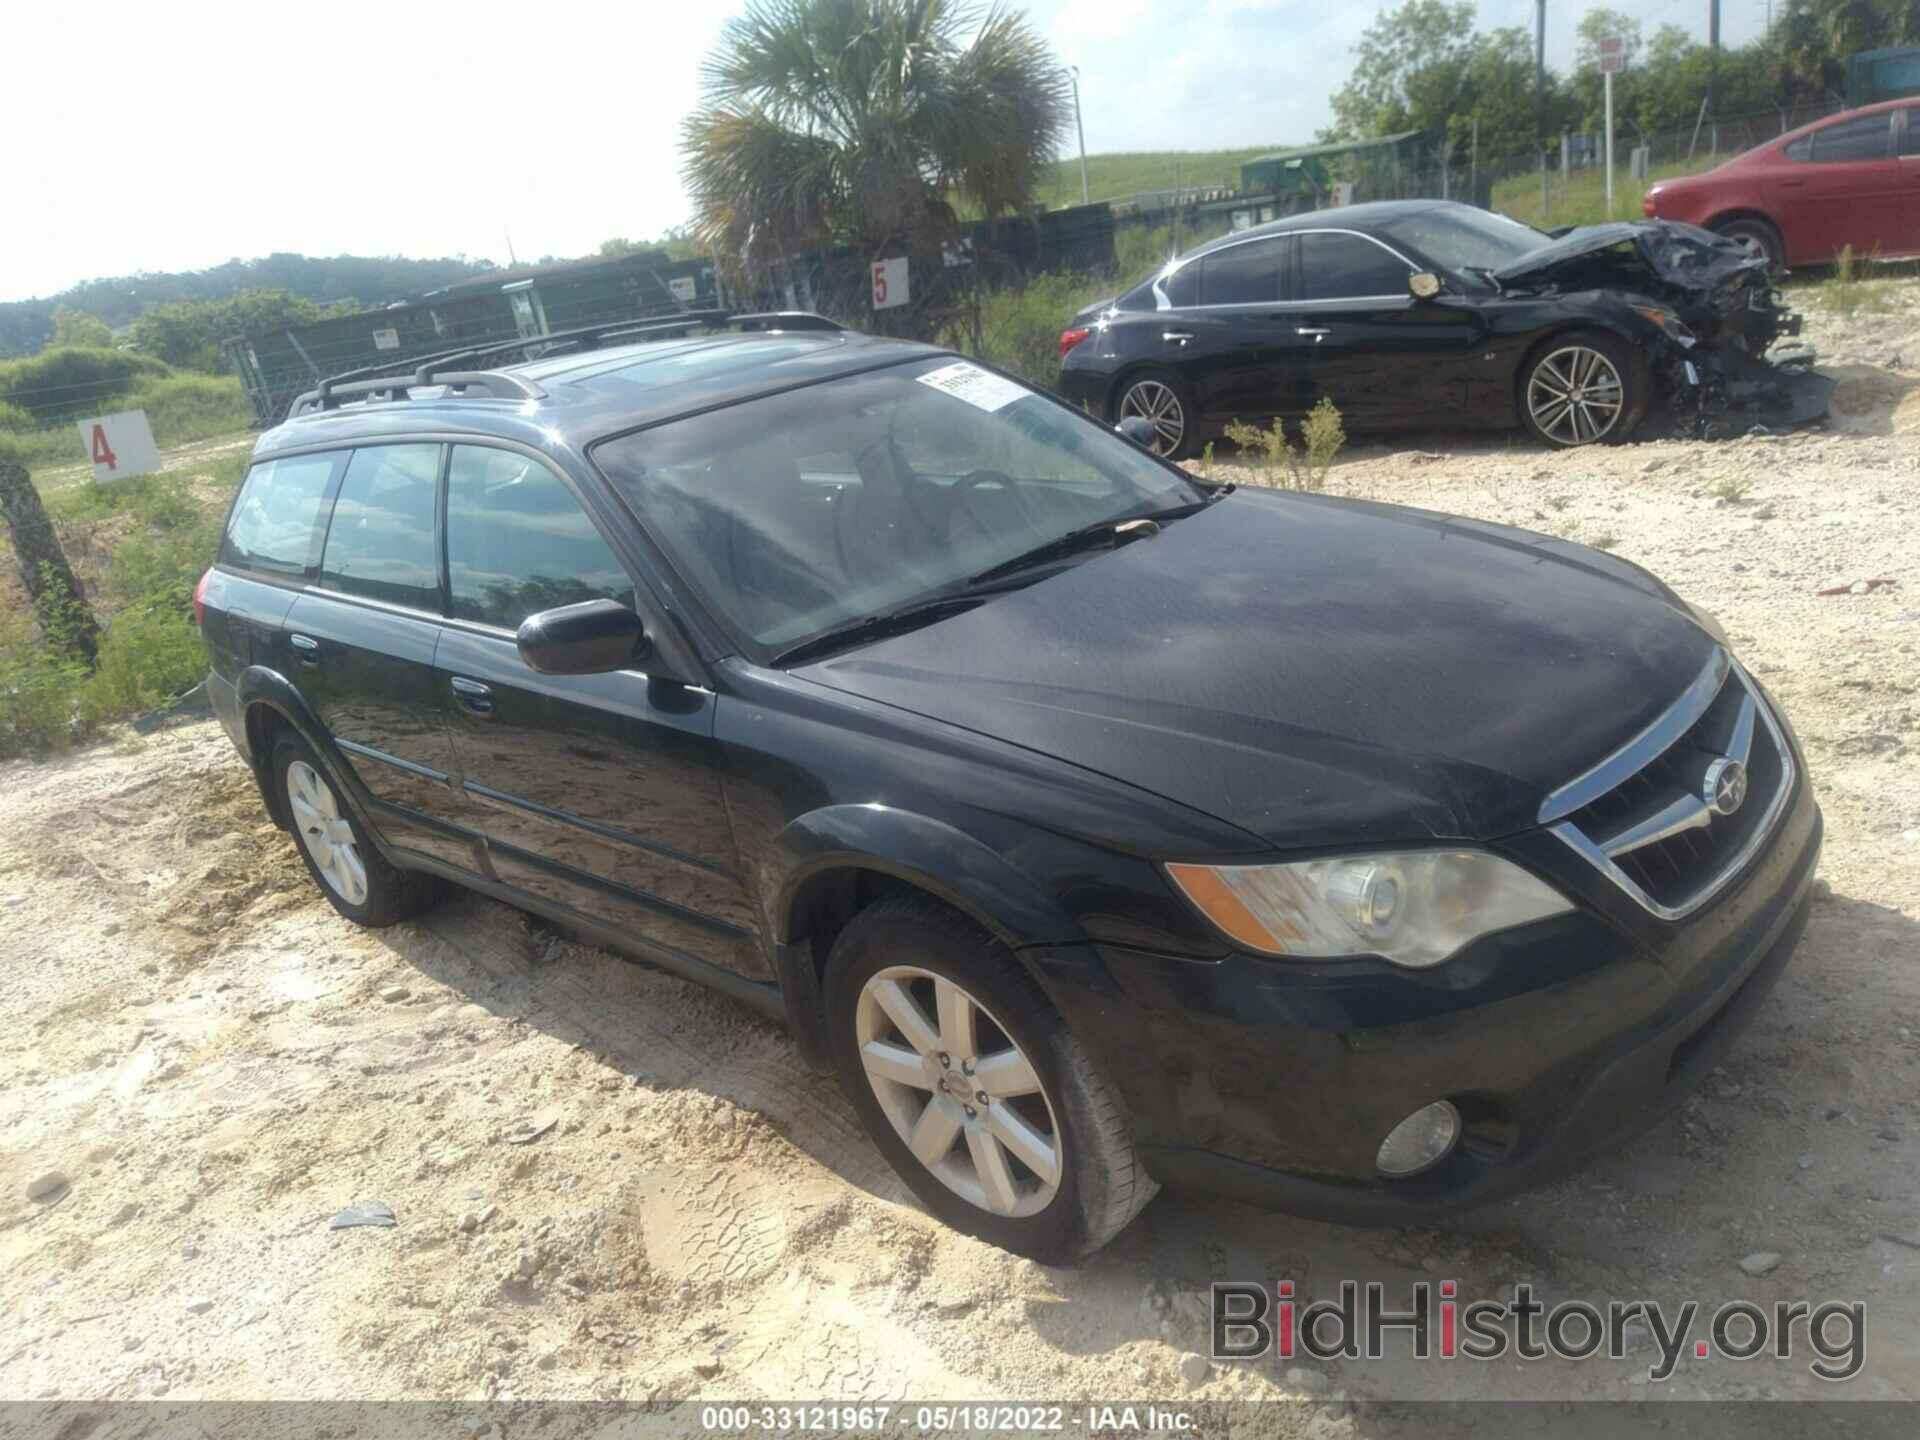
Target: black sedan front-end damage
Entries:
(1720, 337)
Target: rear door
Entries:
(1841, 185)
(600, 793)
(361, 637)
(1908, 143)
(1239, 341)
(1384, 358)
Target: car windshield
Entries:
(802, 512)
(1464, 240)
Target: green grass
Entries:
(181, 408)
(1581, 198)
(1112, 177)
(140, 545)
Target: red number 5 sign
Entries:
(890, 283)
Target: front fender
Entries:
(930, 854)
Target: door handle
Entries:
(471, 693)
(1791, 184)
(1176, 337)
(306, 649)
(1311, 330)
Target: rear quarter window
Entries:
(277, 522)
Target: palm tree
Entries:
(860, 124)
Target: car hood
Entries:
(1312, 670)
(1674, 252)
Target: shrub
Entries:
(181, 408)
(73, 380)
(39, 692)
(1274, 461)
(147, 656)
(14, 418)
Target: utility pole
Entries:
(1473, 166)
(1713, 54)
(1540, 94)
(1081, 131)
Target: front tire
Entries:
(1759, 237)
(356, 879)
(1583, 388)
(1165, 400)
(973, 1088)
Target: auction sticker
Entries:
(981, 389)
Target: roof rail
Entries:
(395, 380)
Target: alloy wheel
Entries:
(959, 1091)
(326, 833)
(1575, 395)
(1155, 401)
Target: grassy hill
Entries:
(1110, 177)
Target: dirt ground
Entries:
(215, 1065)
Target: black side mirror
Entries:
(1138, 429)
(585, 639)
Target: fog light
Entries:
(1421, 1141)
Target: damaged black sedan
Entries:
(1424, 313)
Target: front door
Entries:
(1386, 360)
(1845, 190)
(600, 793)
(361, 642)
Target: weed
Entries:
(1605, 540)
(1559, 502)
(1730, 488)
(1848, 292)
(1277, 465)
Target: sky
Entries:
(180, 136)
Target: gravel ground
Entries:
(201, 1065)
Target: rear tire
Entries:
(1165, 399)
(1759, 236)
(1585, 387)
(356, 879)
(966, 1001)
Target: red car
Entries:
(1852, 179)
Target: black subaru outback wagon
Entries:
(1102, 827)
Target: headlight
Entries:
(1667, 321)
(1414, 907)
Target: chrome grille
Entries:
(1644, 815)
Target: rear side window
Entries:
(1910, 137)
(1865, 138)
(276, 522)
(518, 542)
(380, 543)
(1346, 267)
(1182, 288)
(1248, 274)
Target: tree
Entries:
(1409, 70)
(66, 619)
(858, 123)
(76, 327)
(188, 334)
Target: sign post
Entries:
(1613, 55)
(120, 445)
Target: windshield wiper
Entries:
(875, 627)
(1102, 534)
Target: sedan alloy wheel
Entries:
(1156, 402)
(326, 833)
(959, 1091)
(1575, 395)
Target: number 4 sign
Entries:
(120, 445)
(890, 282)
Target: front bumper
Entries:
(1275, 1082)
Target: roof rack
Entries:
(395, 380)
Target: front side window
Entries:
(1347, 267)
(1910, 137)
(381, 542)
(1248, 274)
(1867, 137)
(276, 521)
(793, 514)
(518, 541)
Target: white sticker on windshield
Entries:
(981, 389)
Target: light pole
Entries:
(1081, 131)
